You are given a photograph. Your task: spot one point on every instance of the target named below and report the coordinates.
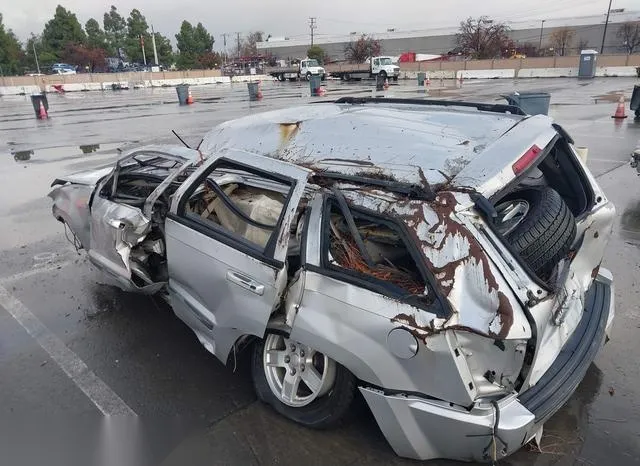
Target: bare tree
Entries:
(483, 37)
(629, 33)
(583, 44)
(248, 45)
(363, 48)
(561, 39)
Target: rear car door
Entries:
(227, 237)
(373, 320)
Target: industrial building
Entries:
(588, 32)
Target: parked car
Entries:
(63, 68)
(441, 258)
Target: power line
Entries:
(312, 26)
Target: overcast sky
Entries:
(290, 17)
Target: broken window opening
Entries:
(245, 205)
(393, 265)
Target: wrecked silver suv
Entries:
(441, 258)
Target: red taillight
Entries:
(526, 160)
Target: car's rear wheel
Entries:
(539, 225)
(300, 383)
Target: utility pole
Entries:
(312, 26)
(541, 29)
(238, 38)
(144, 56)
(606, 23)
(155, 50)
(224, 42)
(35, 54)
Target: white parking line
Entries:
(100, 394)
(34, 271)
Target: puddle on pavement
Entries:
(609, 97)
(630, 221)
(63, 152)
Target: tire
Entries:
(321, 412)
(383, 74)
(395, 79)
(346, 77)
(546, 231)
(281, 77)
(308, 76)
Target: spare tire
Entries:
(539, 226)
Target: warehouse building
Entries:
(588, 31)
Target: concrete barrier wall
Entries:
(547, 72)
(616, 71)
(486, 74)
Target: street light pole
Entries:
(606, 23)
(541, 29)
(35, 55)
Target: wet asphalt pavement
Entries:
(192, 409)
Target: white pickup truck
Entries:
(306, 68)
(374, 66)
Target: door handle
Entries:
(245, 282)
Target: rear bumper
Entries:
(426, 429)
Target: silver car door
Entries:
(227, 238)
(116, 227)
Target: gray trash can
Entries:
(587, 68)
(315, 81)
(35, 101)
(634, 105)
(532, 103)
(421, 78)
(254, 89)
(183, 93)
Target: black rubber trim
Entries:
(414, 191)
(496, 108)
(560, 381)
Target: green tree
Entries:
(316, 52)
(115, 28)
(137, 35)
(192, 44)
(11, 54)
(63, 29)
(96, 38)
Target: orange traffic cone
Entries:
(386, 84)
(619, 115)
(42, 112)
(322, 91)
(189, 98)
(259, 95)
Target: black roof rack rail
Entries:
(409, 189)
(497, 108)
